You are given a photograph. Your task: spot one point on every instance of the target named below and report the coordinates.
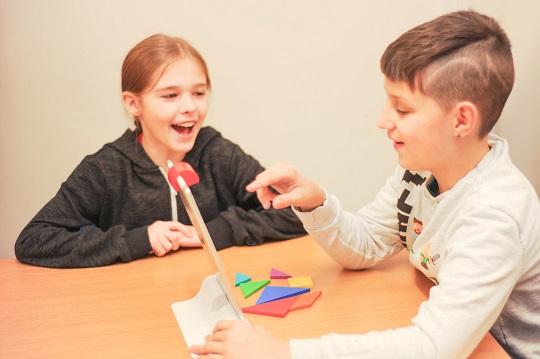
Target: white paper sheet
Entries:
(198, 316)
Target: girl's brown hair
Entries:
(147, 61)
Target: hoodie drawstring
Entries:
(172, 192)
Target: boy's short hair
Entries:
(460, 56)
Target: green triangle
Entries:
(251, 287)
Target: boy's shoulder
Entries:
(500, 185)
(498, 174)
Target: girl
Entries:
(117, 204)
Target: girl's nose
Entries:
(186, 104)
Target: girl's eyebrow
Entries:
(173, 87)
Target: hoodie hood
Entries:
(128, 146)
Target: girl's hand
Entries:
(282, 186)
(191, 241)
(166, 236)
(234, 339)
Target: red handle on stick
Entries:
(184, 170)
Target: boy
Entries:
(478, 219)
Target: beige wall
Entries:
(520, 123)
(294, 81)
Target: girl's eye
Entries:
(169, 96)
(199, 93)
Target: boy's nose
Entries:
(386, 122)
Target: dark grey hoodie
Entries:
(101, 213)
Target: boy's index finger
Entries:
(259, 182)
(253, 186)
(266, 178)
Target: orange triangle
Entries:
(305, 300)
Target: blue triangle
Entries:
(271, 293)
(241, 278)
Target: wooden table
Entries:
(123, 310)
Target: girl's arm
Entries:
(66, 233)
(247, 222)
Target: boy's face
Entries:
(420, 129)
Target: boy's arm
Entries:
(476, 277)
(247, 222)
(64, 233)
(358, 240)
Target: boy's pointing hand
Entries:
(282, 186)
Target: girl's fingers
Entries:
(158, 249)
(190, 242)
(174, 239)
(166, 244)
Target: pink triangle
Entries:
(276, 308)
(277, 274)
(305, 300)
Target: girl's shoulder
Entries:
(223, 155)
(211, 143)
(119, 155)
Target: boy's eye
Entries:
(401, 112)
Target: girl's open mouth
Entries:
(184, 128)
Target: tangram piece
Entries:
(276, 308)
(251, 287)
(305, 300)
(277, 274)
(271, 293)
(241, 278)
(303, 282)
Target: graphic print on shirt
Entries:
(428, 262)
(417, 230)
(424, 256)
(404, 209)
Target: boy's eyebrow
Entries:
(399, 99)
(393, 96)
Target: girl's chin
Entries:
(182, 148)
(181, 144)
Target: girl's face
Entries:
(172, 112)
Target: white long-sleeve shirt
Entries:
(479, 241)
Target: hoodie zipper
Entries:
(172, 193)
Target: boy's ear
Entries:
(467, 119)
(131, 103)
